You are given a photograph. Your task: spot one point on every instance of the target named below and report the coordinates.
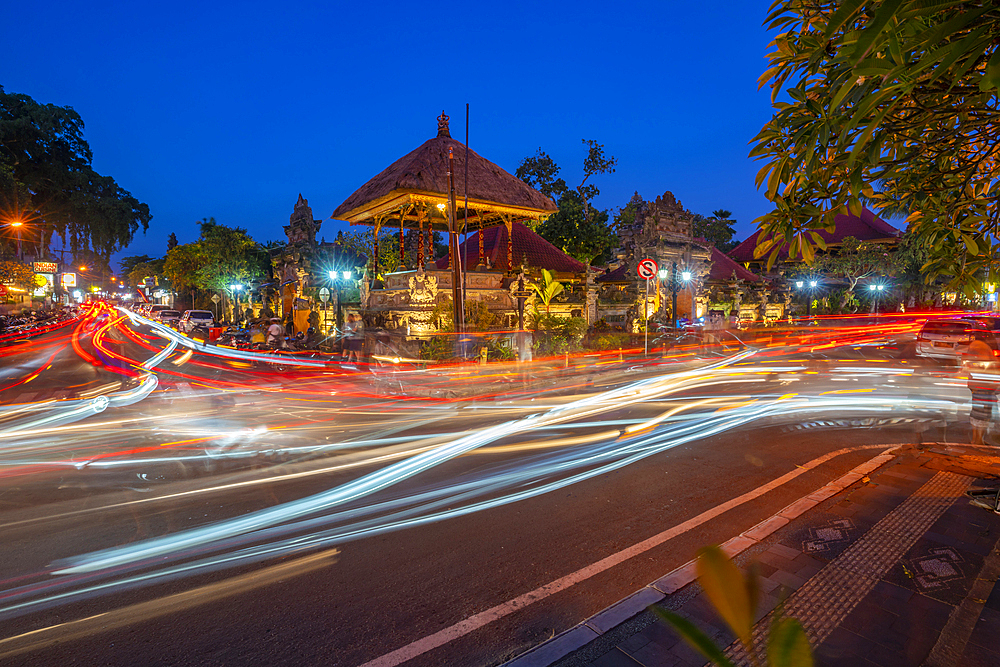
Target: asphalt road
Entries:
(330, 516)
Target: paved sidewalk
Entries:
(888, 565)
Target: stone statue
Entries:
(443, 125)
(423, 288)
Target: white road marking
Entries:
(484, 618)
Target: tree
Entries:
(540, 172)
(718, 229)
(576, 228)
(893, 100)
(583, 237)
(47, 180)
(16, 274)
(151, 269)
(855, 261)
(626, 216)
(126, 264)
(182, 267)
(171, 241)
(229, 256)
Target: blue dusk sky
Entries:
(230, 110)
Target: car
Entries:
(154, 309)
(949, 340)
(167, 317)
(194, 318)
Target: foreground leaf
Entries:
(694, 637)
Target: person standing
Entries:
(354, 340)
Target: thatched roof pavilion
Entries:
(414, 185)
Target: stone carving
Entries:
(522, 283)
(423, 291)
(301, 228)
(423, 288)
(443, 125)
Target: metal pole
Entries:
(456, 269)
(673, 292)
(465, 227)
(645, 317)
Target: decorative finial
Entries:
(443, 125)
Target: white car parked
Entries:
(193, 318)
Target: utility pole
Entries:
(456, 268)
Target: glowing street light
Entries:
(17, 224)
(685, 276)
(810, 288)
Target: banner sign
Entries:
(44, 267)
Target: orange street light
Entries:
(17, 224)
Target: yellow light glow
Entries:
(17, 223)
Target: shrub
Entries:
(557, 335)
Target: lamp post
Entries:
(673, 292)
(876, 289)
(662, 274)
(808, 287)
(339, 279)
(17, 224)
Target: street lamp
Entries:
(876, 289)
(810, 287)
(339, 279)
(17, 224)
(662, 274)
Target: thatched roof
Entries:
(424, 171)
(529, 249)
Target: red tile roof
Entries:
(722, 270)
(619, 275)
(866, 227)
(529, 249)
(723, 267)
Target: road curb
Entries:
(610, 617)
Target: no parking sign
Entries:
(647, 269)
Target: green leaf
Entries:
(694, 637)
(726, 590)
(971, 244)
(842, 92)
(991, 79)
(874, 29)
(844, 13)
(788, 645)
